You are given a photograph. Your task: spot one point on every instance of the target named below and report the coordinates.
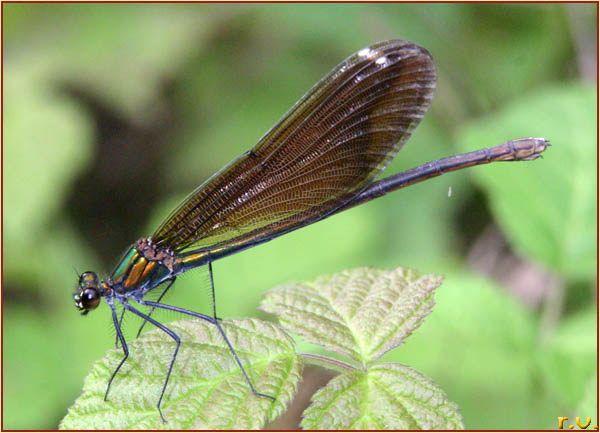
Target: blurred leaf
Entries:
(547, 208)
(318, 29)
(569, 359)
(588, 405)
(122, 54)
(361, 313)
(422, 215)
(525, 55)
(480, 346)
(29, 336)
(47, 139)
(386, 397)
(206, 389)
(48, 277)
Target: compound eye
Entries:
(90, 299)
(88, 280)
(87, 299)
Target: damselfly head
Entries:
(87, 297)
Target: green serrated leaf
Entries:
(386, 397)
(206, 390)
(360, 313)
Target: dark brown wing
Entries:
(336, 139)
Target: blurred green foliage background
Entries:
(114, 112)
